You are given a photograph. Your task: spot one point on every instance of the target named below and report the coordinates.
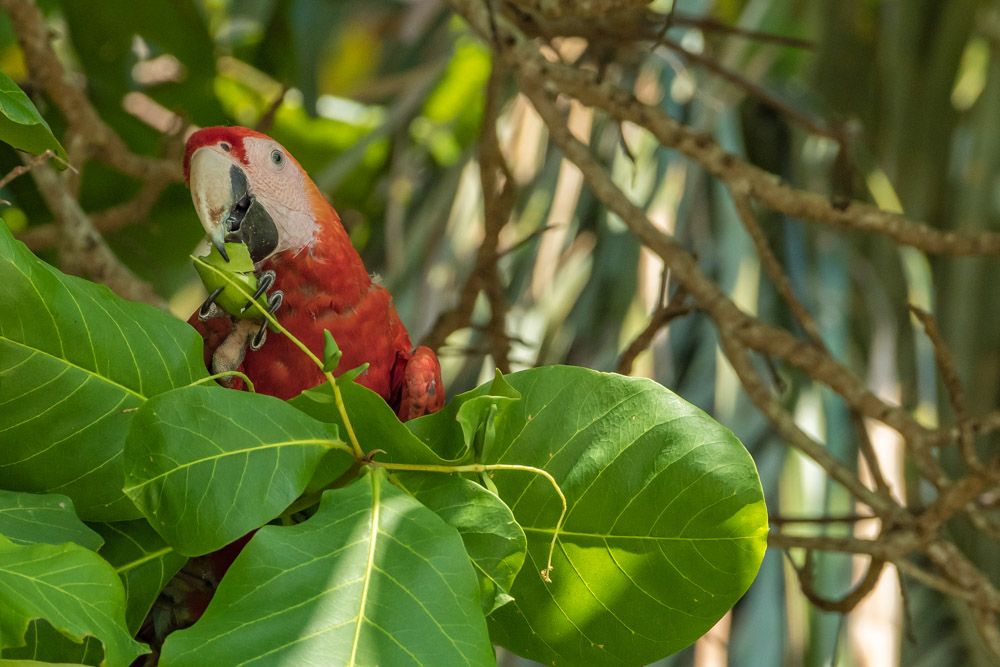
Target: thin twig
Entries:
(663, 316)
(82, 249)
(953, 385)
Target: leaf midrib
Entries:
(69, 363)
(369, 566)
(234, 452)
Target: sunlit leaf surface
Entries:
(206, 465)
(666, 525)
(75, 360)
(373, 578)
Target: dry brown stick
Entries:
(772, 267)
(44, 237)
(755, 90)
(485, 274)
(498, 201)
(30, 163)
(850, 600)
(532, 70)
(46, 71)
(712, 25)
(868, 453)
(266, 120)
(888, 547)
(82, 249)
(663, 316)
(953, 385)
(729, 319)
(880, 500)
(588, 87)
(779, 520)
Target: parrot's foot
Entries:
(264, 282)
(209, 309)
(273, 303)
(229, 355)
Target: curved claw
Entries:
(208, 309)
(264, 283)
(273, 303)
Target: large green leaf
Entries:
(374, 423)
(44, 645)
(71, 587)
(373, 578)
(207, 465)
(453, 430)
(75, 360)
(30, 518)
(666, 525)
(21, 125)
(492, 538)
(143, 561)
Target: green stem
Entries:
(227, 374)
(357, 452)
(486, 467)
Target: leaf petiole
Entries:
(486, 467)
(357, 451)
(223, 374)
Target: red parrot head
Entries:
(248, 189)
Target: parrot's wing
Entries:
(418, 379)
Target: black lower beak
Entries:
(248, 221)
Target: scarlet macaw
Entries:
(247, 188)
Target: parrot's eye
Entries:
(277, 158)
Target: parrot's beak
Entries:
(227, 209)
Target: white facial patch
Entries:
(281, 188)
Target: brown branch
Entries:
(953, 385)
(772, 267)
(868, 453)
(82, 249)
(779, 520)
(663, 316)
(100, 141)
(29, 164)
(44, 237)
(742, 177)
(849, 601)
(708, 24)
(755, 90)
(498, 201)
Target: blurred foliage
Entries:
(383, 105)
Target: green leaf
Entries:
(666, 526)
(331, 352)
(71, 587)
(207, 465)
(75, 360)
(373, 578)
(44, 645)
(374, 422)
(452, 431)
(347, 377)
(492, 538)
(29, 518)
(143, 561)
(21, 125)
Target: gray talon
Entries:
(273, 303)
(264, 283)
(209, 308)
